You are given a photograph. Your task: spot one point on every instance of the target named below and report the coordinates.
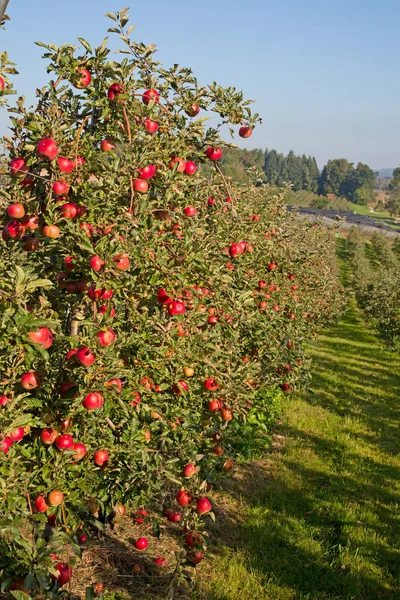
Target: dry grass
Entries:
(112, 559)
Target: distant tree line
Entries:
(338, 177)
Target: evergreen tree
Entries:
(273, 166)
(314, 173)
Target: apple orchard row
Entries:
(152, 310)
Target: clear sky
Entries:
(324, 74)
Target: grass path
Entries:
(321, 519)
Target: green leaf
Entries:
(20, 276)
(38, 283)
(19, 595)
(99, 525)
(90, 593)
(86, 45)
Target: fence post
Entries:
(3, 6)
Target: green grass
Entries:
(379, 216)
(321, 521)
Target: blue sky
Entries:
(323, 74)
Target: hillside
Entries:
(385, 173)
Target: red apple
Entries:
(6, 444)
(104, 308)
(40, 336)
(106, 338)
(203, 505)
(18, 166)
(189, 470)
(195, 557)
(52, 521)
(183, 498)
(151, 126)
(82, 539)
(95, 294)
(179, 162)
(30, 222)
(236, 249)
(16, 211)
(17, 434)
(180, 387)
(193, 539)
(285, 387)
(97, 263)
(136, 398)
(161, 561)
(117, 383)
(48, 436)
(176, 308)
(14, 229)
(60, 188)
(141, 186)
(218, 450)
(55, 498)
(64, 442)
(150, 95)
(101, 457)
(211, 384)
(65, 165)
(114, 91)
(213, 153)
(30, 381)
(141, 544)
(190, 211)
(4, 400)
(80, 451)
(27, 182)
(85, 356)
(29, 244)
(139, 516)
(245, 131)
(107, 145)
(47, 149)
(64, 573)
(163, 297)
(193, 110)
(93, 401)
(83, 79)
(69, 263)
(147, 172)
(173, 516)
(190, 168)
(41, 504)
(121, 261)
(51, 231)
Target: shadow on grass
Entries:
(326, 524)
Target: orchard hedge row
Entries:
(150, 314)
(376, 281)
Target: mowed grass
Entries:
(379, 216)
(321, 519)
